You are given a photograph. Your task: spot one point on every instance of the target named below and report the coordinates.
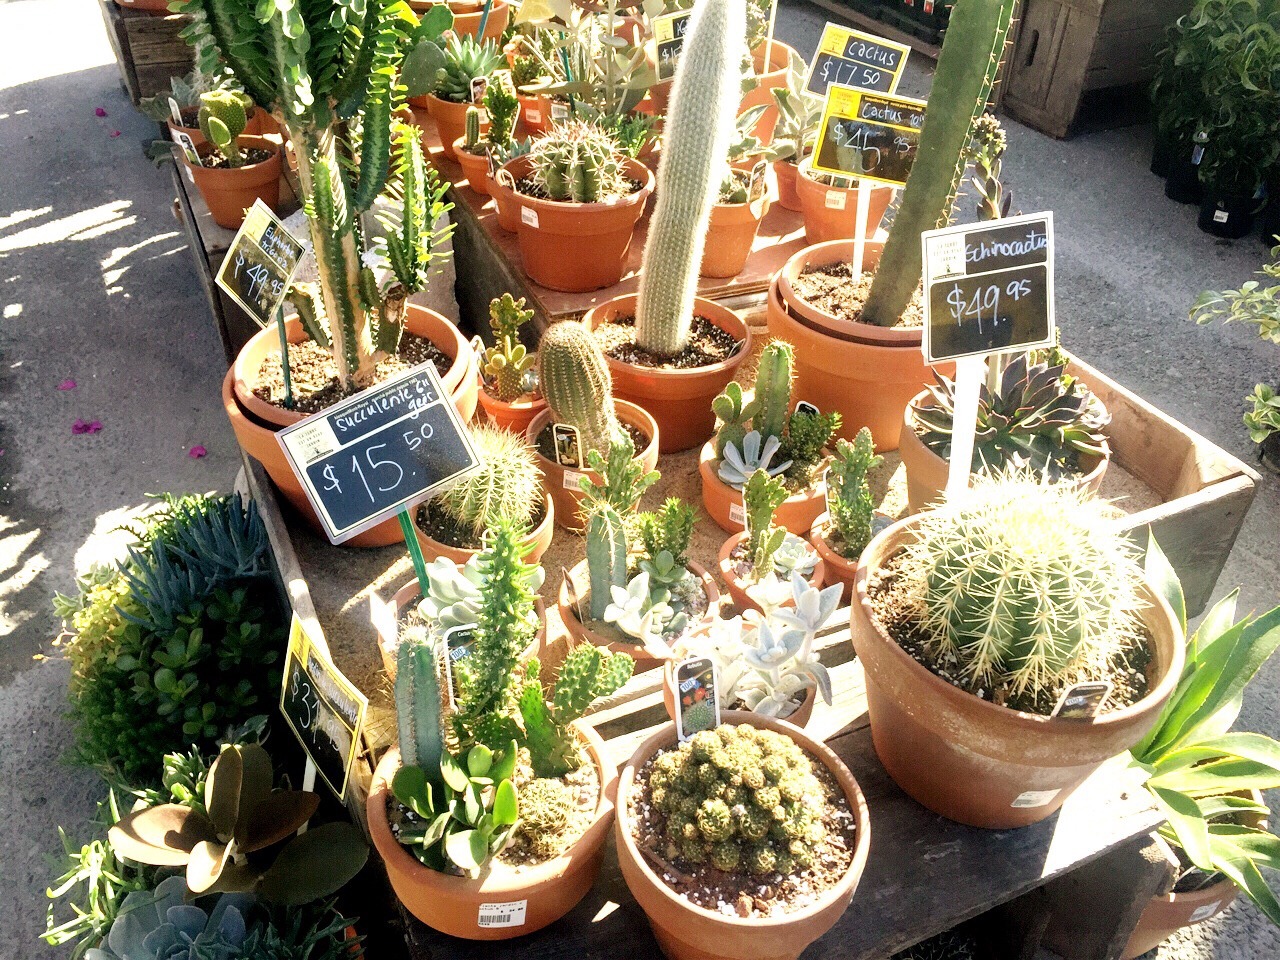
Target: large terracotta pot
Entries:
(229, 191)
(738, 587)
(831, 213)
(535, 113)
(466, 16)
(730, 235)
(973, 761)
(785, 172)
(452, 904)
(507, 204)
(838, 568)
(771, 76)
(537, 541)
(867, 373)
(688, 932)
(724, 503)
(513, 417)
(799, 717)
(475, 166)
(578, 246)
(678, 399)
(562, 482)
(451, 121)
(927, 472)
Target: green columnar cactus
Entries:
(578, 162)
(419, 703)
(699, 129)
(623, 478)
(773, 390)
(962, 83)
(506, 362)
(576, 383)
(506, 487)
(668, 530)
(503, 109)
(734, 415)
(223, 117)
(761, 496)
(606, 555)
(471, 130)
(1024, 582)
(742, 799)
(586, 674)
(850, 502)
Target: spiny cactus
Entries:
(1023, 582)
(587, 674)
(576, 383)
(419, 700)
(507, 486)
(506, 362)
(471, 129)
(850, 499)
(698, 716)
(741, 799)
(773, 389)
(668, 530)
(962, 82)
(465, 59)
(578, 162)
(545, 808)
(808, 434)
(761, 496)
(503, 109)
(606, 555)
(735, 417)
(623, 478)
(223, 117)
(699, 128)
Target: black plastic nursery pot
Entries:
(1227, 216)
(1182, 183)
(1163, 150)
(1269, 221)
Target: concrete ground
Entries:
(97, 286)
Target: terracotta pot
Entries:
(730, 237)
(738, 587)
(679, 399)
(452, 904)
(562, 482)
(229, 192)
(262, 124)
(466, 17)
(770, 76)
(538, 540)
(831, 213)
(867, 373)
(535, 113)
(451, 121)
(724, 503)
(507, 204)
(580, 632)
(190, 125)
(660, 96)
(688, 932)
(973, 761)
(513, 417)
(785, 172)
(799, 717)
(578, 247)
(838, 568)
(927, 472)
(475, 166)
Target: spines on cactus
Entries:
(852, 506)
(471, 135)
(576, 383)
(506, 487)
(761, 496)
(700, 127)
(606, 555)
(773, 389)
(419, 701)
(506, 362)
(579, 162)
(734, 416)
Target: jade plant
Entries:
(507, 363)
(578, 162)
(223, 116)
(577, 385)
(772, 552)
(507, 485)
(849, 500)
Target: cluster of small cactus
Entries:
(503, 109)
(546, 805)
(575, 380)
(579, 162)
(623, 480)
(773, 551)
(223, 116)
(849, 498)
(1023, 582)
(507, 485)
(507, 361)
(465, 59)
(740, 799)
(667, 530)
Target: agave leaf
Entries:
(1187, 824)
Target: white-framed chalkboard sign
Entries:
(988, 287)
(852, 58)
(260, 264)
(871, 136)
(376, 453)
(323, 709)
(668, 37)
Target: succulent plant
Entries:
(471, 130)
(1023, 582)
(773, 389)
(986, 153)
(793, 556)
(734, 413)
(638, 610)
(184, 91)
(739, 461)
(663, 569)
(667, 530)
(161, 925)
(799, 115)
(761, 496)
(507, 361)
(223, 116)
(503, 108)
(576, 383)
(606, 555)
(465, 59)
(419, 699)
(741, 799)
(805, 445)
(546, 805)
(849, 499)
(507, 485)
(623, 478)
(579, 162)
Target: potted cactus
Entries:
(842, 532)
(578, 388)
(858, 343)
(682, 868)
(757, 565)
(479, 19)
(507, 392)
(472, 150)
(494, 794)
(742, 201)
(974, 620)
(670, 351)
(441, 84)
(234, 169)
(767, 433)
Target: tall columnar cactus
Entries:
(962, 82)
(699, 129)
(606, 555)
(471, 129)
(223, 117)
(852, 506)
(578, 162)
(1022, 581)
(773, 390)
(761, 496)
(419, 702)
(576, 383)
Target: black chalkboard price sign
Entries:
(363, 460)
(988, 287)
(855, 59)
(260, 264)
(668, 35)
(870, 136)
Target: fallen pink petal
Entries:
(115, 133)
(67, 384)
(196, 452)
(82, 426)
(99, 111)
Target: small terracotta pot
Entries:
(578, 247)
(927, 472)
(538, 540)
(831, 213)
(562, 482)
(535, 113)
(838, 568)
(451, 121)
(580, 632)
(678, 399)
(507, 204)
(261, 124)
(452, 904)
(785, 172)
(475, 166)
(190, 126)
(229, 192)
(799, 717)
(738, 587)
(730, 236)
(513, 417)
(688, 932)
(973, 761)
(865, 372)
(724, 503)
(466, 16)
(771, 76)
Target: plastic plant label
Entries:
(1034, 798)
(696, 705)
(509, 914)
(737, 514)
(479, 86)
(174, 112)
(804, 406)
(559, 111)
(1221, 216)
(835, 199)
(1082, 701)
(568, 445)
(571, 478)
(188, 147)
(529, 216)
(857, 59)
(1204, 911)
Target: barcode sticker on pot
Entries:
(559, 111)
(835, 199)
(737, 514)
(571, 478)
(529, 216)
(1204, 911)
(1221, 216)
(510, 914)
(1034, 798)
(532, 115)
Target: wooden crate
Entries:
(1067, 48)
(148, 49)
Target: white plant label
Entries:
(532, 115)
(559, 111)
(737, 514)
(1034, 798)
(530, 216)
(1220, 216)
(835, 199)
(174, 112)
(509, 914)
(571, 478)
(1204, 911)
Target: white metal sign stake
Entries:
(970, 372)
(860, 226)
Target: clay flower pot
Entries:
(973, 761)
(466, 16)
(688, 932)
(678, 399)
(507, 204)
(785, 172)
(772, 75)
(535, 113)
(255, 421)
(578, 247)
(229, 191)
(738, 586)
(838, 568)
(576, 585)
(724, 503)
(513, 417)
(831, 213)
(538, 540)
(927, 472)
(475, 166)
(730, 236)
(868, 373)
(451, 121)
(799, 717)
(562, 482)
(452, 904)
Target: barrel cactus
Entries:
(576, 383)
(578, 162)
(507, 485)
(223, 116)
